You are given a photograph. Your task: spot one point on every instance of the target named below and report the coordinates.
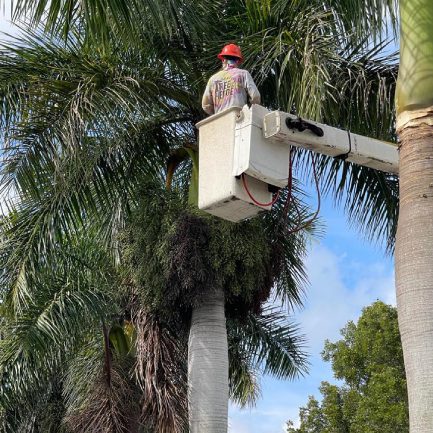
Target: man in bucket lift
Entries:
(231, 86)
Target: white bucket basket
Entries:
(231, 143)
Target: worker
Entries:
(230, 87)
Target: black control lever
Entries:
(302, 125)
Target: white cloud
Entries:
(339, 288)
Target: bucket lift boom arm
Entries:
(335, 142)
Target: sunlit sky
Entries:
(345, 274)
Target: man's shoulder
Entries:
(225, 74)
(218, 75)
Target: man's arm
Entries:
(207, 100)
(252, 90)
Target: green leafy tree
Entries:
(369, 361)
(311, 417)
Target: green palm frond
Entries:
(373, 18)
(362, 98)
(62, 204)
(127, 20)
(243, 378)
(58, 96)
(189, 18)
(65, 298)
(353, 19)
(42, 411)
(301, 65)
(369, 197)
(356, 92)
(272, 343)
(33, 273)
(288, 227)
(79, 137)
(82, 371)
(69, 297)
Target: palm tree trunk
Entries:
(208, 367)
(414, 266)
(414, 243)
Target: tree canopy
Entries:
(369, 361)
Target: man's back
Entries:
(229, 88)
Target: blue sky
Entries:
(346, 273)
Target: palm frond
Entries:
(374, 18)
(161, 373)
(41, 411)
(99, 19)
(355, 91)
(272, 343)
(112, 406)
(65, 297)
(243, 378)
(79, 137)
(288, 228)
(369, 197)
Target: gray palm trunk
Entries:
(414, 271)
(414, 243)
(208, 367)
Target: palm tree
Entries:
(81, 177)
(76, 349)
(67, 157)
(413, 255)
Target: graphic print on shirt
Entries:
(226, 86)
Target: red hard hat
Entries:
(231, 50)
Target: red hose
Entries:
(253, 199)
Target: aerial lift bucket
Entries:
(232, 145)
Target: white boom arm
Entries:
(366, 151)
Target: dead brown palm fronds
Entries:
(161, 373)
(112, 407)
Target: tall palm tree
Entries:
(73, 173)
(413, 256)
(59, 114)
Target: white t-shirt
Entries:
(229, 88)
